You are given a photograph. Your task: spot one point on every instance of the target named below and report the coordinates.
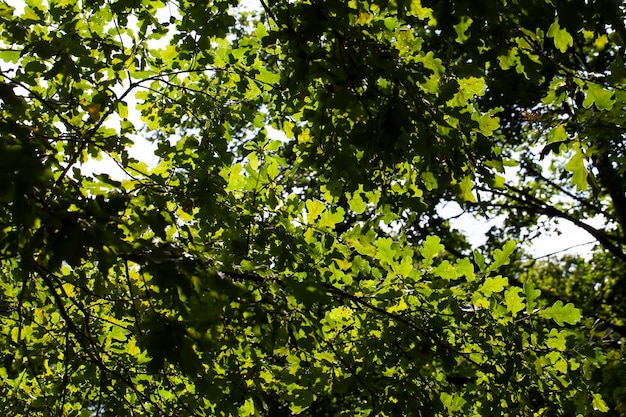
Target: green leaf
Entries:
(562, 313)
(466, 268)
(557, 339)
(493, 285)
(513, 301)
(429, 180)
(576, 165)
(384, 250)
(468, 89)
(480, 260)
(313, 210)
(419, 11)
(431, 248)
(531, 295)
(247, 409)
(466, 189)
(509, 60)
(501, 256)
(329, 219)
(236, 178)
(599, 404)
(361, 242)
(261, 30)
(446, 270)
(487, 122)
(598, 95)
(453, 402)
(357, 204)
(557, 134)
(461, 29)
(562, 39)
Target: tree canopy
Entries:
(284, 251)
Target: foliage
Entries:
(311, 272)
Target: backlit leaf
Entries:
(562, 39)
(466, 189)
(493, 285)
(561, 314)
(599, 404)
(431, 247)
(531, 296)
(597, 95)
(513, 301)
(313, 208)
(576, 165)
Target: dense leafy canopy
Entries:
(241, 271)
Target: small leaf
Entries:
(94, 111)
(247, 409)
(562, 39)
(576, 166)
(466, 268)
(513, 301)
(558, 134)
(599, 404)
(429, 180)
(501, 256)
(325, 356)
(384, 251)
(357, 204)
(236, 178)
(446, 270)
(313, 209)
(480, 260)
(557, 339)
(330, 219)
(466, 189)
(461, 29)
(596, 94)
(493, 285)
(453, 402)
(122, 109)
(562, 313)
(261, 31)
(362, 243)
(431, 247)
(600, 42)
(508, 60)
(531, 295)
(419, 11)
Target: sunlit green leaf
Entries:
(513, 301)
(562, 39)
(493, 285)
(561, 313)
(599, 404)
(596, 95)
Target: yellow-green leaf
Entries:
(598, 403)
(461, 29)
(576, 166)
(330, 219)
(562, 39)
(432, 246)
(357, 204)
(562, 313)
(493, 285)
(598, 95)
(384, 250)
(466, 189)
(513, 301)
(313, 209)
